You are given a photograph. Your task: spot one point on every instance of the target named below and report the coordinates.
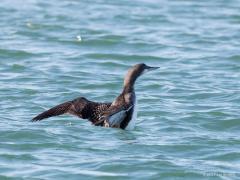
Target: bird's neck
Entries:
(128, 86)
(129, 81)
(128, 89)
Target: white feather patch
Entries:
(132, 122)
(117, 118)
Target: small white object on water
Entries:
(28, 24)
(69, 124)
(79, 38)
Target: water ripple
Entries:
(188, 120)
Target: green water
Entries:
(188, 124)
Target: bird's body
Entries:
(121, 113)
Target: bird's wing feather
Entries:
(55, 111)
(117, 118)
(114, 115)
(72, 107)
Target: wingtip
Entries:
(35, 119)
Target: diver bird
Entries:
(121, 113)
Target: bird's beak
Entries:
(149, 68)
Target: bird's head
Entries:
(135, 72)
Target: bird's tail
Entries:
(55, 111)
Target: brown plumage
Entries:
(117, 114)
(80, 107)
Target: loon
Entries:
(121, 113)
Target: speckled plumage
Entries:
(117, 114)
(81, 107)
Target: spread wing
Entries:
(74, 107)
